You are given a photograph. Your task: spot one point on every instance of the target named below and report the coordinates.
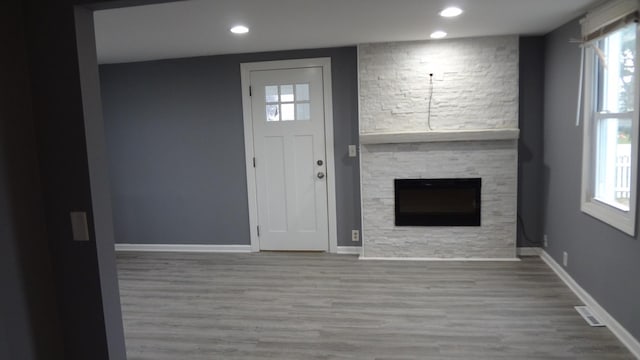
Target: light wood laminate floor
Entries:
(320, 306)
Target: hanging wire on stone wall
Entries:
(430, 100)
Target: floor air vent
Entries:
(588, 316)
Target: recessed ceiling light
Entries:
(240, 29)
(451, 12)
(438, 34)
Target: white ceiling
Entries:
(201, 27)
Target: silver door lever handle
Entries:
(320, 175)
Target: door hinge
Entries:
(254, 162)
(249, 90)
(258, 227)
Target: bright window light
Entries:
(451, 12)
(438, 34)
(239, 29)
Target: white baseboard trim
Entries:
(343, 250)
(349, 250)
(618, 330)
(184, 248)
(529, 251)
(435, 259)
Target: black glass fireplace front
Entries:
(437, 202)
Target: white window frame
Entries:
(612, 215)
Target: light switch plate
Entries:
(79, 226)
(353, 151)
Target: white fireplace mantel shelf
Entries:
(439, 136)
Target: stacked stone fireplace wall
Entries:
(475, 87)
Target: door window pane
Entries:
(272, 113)
(287, 102)
(287, 112)
(302, 111)
(286, 93)
(302, 92)
(271, 94)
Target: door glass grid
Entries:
(288, 102)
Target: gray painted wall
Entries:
(603, 260)
(175, 140)
(530, 151)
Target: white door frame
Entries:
(245, 71)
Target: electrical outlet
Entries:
(355, 235)
(353, 152)
(545, 239)
(565, 259)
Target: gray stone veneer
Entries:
(478, 90)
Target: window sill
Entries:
(622, 220)
(613, 205)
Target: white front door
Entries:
(290, 158)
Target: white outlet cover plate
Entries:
(353, 151)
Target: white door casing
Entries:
(292, 205)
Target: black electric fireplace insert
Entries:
(437, 202)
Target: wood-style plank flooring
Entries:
(320, 306)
